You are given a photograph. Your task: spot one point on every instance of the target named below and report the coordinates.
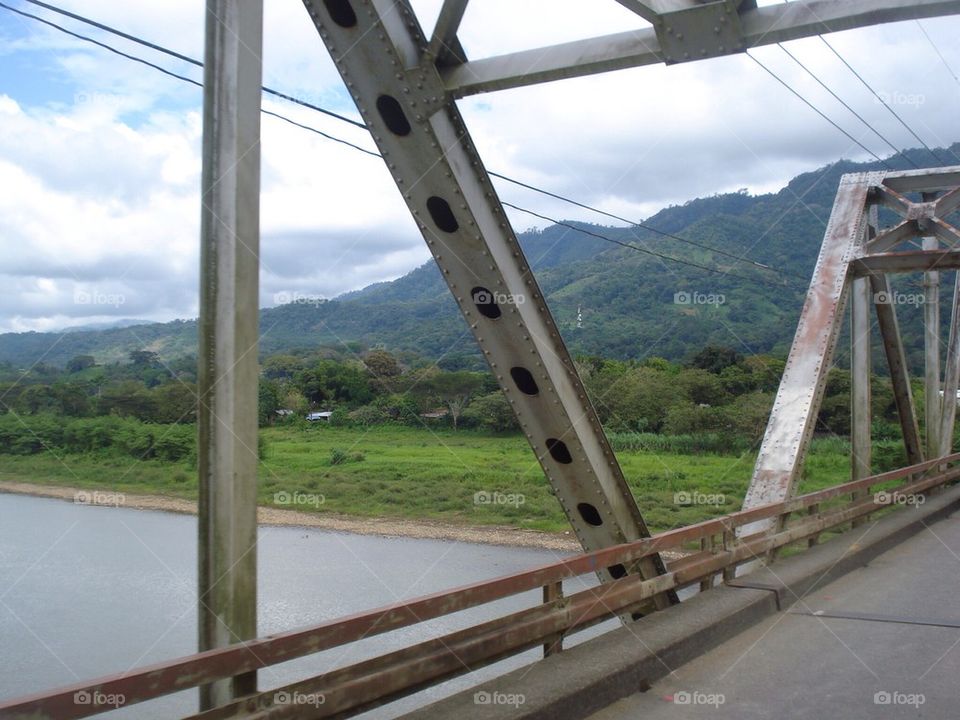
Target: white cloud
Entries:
(99, 158)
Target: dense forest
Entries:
(716, 400)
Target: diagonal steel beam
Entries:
(444, 46)
(897, 363)
(948, 202)
(377, 47)
(795, 409)
(894, 236)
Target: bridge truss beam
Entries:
(405, 85)
(857, 255)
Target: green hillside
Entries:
(626, 297)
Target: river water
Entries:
(88, 591)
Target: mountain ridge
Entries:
(631, 303)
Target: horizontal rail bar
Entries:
(380, 679)
(190, 671)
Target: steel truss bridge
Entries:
(405, 83)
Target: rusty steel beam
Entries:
(931, 355)
(951, 379)
(906, 230)
(860, 375)
(899, 373)
(794, 413)
(905, 262)
(948, 202)
(923, 180)
(891, 199)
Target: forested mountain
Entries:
(631, 303)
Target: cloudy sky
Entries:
(100, 157)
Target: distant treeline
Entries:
(714, 398)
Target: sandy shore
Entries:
(390, 527)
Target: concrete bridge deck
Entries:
(866, 625)
(880, 642)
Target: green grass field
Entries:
(423, 474)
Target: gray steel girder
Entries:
(379, 49)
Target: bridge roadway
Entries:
(896, 654)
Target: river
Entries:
(90, 590)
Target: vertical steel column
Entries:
(950, 381)
(931, 350)
(227, 359)
(860, 371)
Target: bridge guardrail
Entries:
(401, 672)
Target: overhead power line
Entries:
(165, 51)
(631, 246)
(819, 112)
(881, 100)
(645, 226)
(937, 51)
(276, 93)
(840, 100)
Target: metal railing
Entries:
(402, 672)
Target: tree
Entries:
(127, 398)
(175, 401)
(73, 399)
(381, 364)
(492, 412)
(37, 399)
(384, 368)
(268, 401)
(714, 358)
(144, 358)
(453, 389)
(277, 367)
(80, 362)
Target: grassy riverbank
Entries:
(406, 473)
